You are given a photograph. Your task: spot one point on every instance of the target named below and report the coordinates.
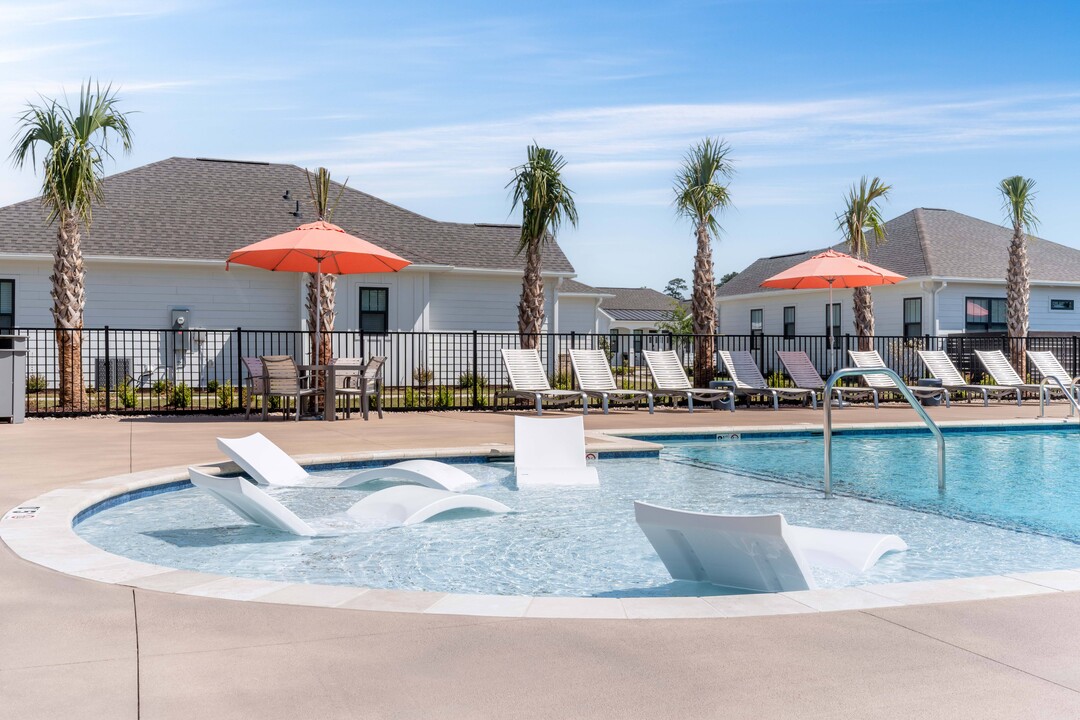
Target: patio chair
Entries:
(760, 553)
(671, 381)
(1049, 366)
(353, 378)
(267, 464)
(867, 359)
(256, 384)
(528, 380)
(1003, 374)
(941, 367)
(551, 452)
(594, 377)
(800, 368)
(283, 379)
(749, 382)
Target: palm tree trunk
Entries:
(1017, 295)
(703, 306)
(321, 305)
(69, 301)
(864, 317)
(531, 307)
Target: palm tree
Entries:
(320, 303)
(861, 214)
(75, 144)
(700, 192)
(1018, 195)
(546, 202)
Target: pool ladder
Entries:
(901, 388)
(1067, 390)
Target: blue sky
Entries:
(429, 105)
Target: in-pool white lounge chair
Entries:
(402, 505)
(749, 381)
(1049, 366)
(760, 553)
(867, 359)
(551, 452)
(671, 381)
(800, 368)
(594, 377)
(268, 464)
(1004, 375)
(528, 380)
(941, 367)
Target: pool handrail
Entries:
(1068, 393)
(902, 388)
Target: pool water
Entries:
(1012, 504)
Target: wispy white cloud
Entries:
(18, 15)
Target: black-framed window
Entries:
(1062, 305)
(913, 317)
(639, 340)
(789, 321)
(757, 327)
(833, 326)
(7, 306)
(374, 316)
(984, 314)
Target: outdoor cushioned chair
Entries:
(283, 379)
(594, 377)
(671, 381)
(267, 464)
(528, 380)
(256, 383)
(941, 367)
(551, 452)
(744, 371)
(1004, 375)
(1049, 366)
(353, 378)
(867, 359)
(760, 553)
(392, 507)
(800, 368)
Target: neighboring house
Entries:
(630, 316)
(955, 267)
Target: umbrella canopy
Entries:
(832, 269)
(318, 247)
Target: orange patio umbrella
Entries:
(832, 269)
(317, 247)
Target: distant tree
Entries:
(726, 277)
(545, 202)
(75, 144)
(861, 214)
(1018, 195)
(700, 193)
(676, 288)
(680, 322)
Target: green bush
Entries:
(465, 380)
(444, 396)
(777, 379)
(181, 396)
(413, 398)
(481, 400)
(274, 402)
(621, 370)
(225, 394)
(127, 395)
(212, 386)
(35, 383)
(422, 376)
(161, 387)
(563, 381)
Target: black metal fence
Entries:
(142, 371)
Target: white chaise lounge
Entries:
(869, 359)
(551, 452)
(671, 381)
(759, 553)
(749, 381)
(268, 464)
(595, 380)
(529, 381)
(800, 368)
(1004, 375)
(1049, 366)
(941, 367)
(402, 505)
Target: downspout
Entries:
(934, 302)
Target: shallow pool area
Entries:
(584, 542)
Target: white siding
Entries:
(482, 302)
(953, 303)
(406, 299)
(577, 314)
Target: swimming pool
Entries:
(1010, 506)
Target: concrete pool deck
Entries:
(77, 648)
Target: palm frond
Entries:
(546, 201)
(699, 188)
(1018, 196)
(861, 213)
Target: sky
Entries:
(430, 105)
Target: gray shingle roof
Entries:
(938, 243)
(203, 209)
(573, 286)
(636, 304)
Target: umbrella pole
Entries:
(829, 331)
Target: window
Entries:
(835, 324)
(7, 306)
(373, 315)
(1066, 305)
(789, 321)
(638, 340)
(912, 317)
(985, 315)
(757, 328)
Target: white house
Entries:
(955, 267)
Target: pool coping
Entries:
(41, 531)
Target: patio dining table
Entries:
(329, 388)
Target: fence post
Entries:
(239, 367)
(108, 373)
(573, 339)
(475, 370)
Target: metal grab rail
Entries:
(900, 388)
(1042, 395)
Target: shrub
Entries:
(777, 379)
(481, 400)
(413, 398)
(35, 383)
(444, 396)
(181, 396)
(563, 381)
(465, 380)
(161, 387)
(224, 394)
(127, 395)
(422, 376)
(621, 370)
(212, 386)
